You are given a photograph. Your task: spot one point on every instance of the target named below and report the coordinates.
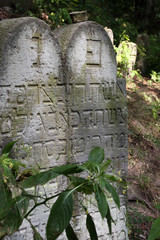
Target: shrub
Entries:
(86, 179)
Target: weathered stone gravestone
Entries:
(131, 49)
(110, 34)
(32, 92)
(63, 100)
(32, 95)
(96, 102)
(143, 44)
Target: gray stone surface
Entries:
(132, 52)
(60, 94)
(110, 34)
(96, 105)
(32, 92)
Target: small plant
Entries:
(123, 57)
(136, 223)
(54, 12)
(90, 178)
(137, 74)
(154, 105)
(144, 181)
(155, 77)
(155, 229)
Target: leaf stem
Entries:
(41, 203)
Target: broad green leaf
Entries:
(5, 193)
(7, 173)
(101, 201)
(60, 215)
(36, 235)
(87, 185)
(155, 230)
(3, 157)
(96, 155)
(7, 149)
(109, 221)
(68, 169)
(91, 166)
(70, 233)
(91, 228)
(23, 203)
(39, 179)
(105, 165)
(10, 212)
(111, 177)
(113, 192)
(11, 222)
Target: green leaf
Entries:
(68, 169)
(113, 192)
(70, 233)
(3, 158)
(91, 228)
(96, 155)
(7, 173)
(157, 207)
(109, 221)
(87, 185)
(23, 203)
(11, 222)
(5, 195)
(60, 215)
(155, 230)
(105, 165)
(39, 179)
(111, 177)
(7, 149)
(10, 211)
(101, 201)
(91, 166)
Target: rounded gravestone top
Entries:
(31, 88)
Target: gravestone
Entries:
(143, 44)
(96, 105)
(60, 94)
(133, 55)
(32, 92)
(32, 105)
(110, 34)
(131, 49)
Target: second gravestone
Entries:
(96, 105)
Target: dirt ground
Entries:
(144, 155)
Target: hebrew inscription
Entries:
(63, 110)
(93, 55)
(97, 109)
(33, 96)
(97, 104)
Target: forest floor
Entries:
(144, 155)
